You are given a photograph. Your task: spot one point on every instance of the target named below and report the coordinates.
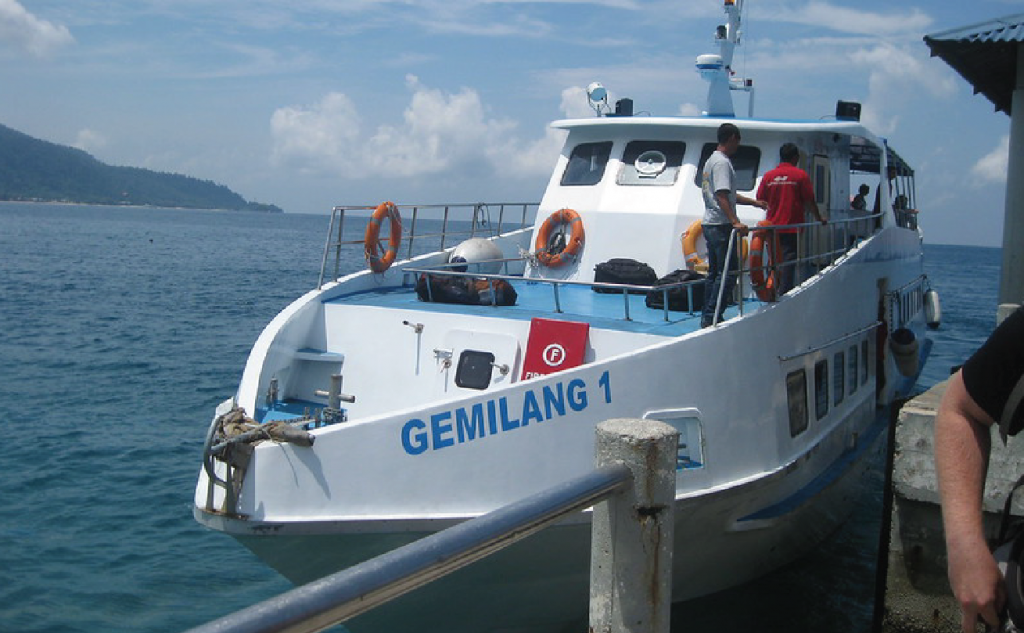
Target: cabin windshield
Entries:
(586, 164)
(744, 162)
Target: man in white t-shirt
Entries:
(720, 220)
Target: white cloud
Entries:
(28, 33)
(991, 168)
(690, 109)
(89, 141)
(440, 132)
(896, 74)
(847, 20)
(318, 137)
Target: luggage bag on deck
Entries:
(624, 271)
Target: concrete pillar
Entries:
(631, 556)
(1011, 282)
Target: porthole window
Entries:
(863, 362)
(852, 359)
(838, 378)
(821, 389)
(651, 163)
(796, 391)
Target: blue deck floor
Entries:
(578, 303)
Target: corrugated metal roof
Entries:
(985, 54)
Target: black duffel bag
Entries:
(678, 299)
(624, 271)
(465, 290)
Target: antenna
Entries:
(717, 69)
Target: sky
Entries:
(311, 103)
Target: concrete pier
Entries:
(917, 595)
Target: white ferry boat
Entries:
(428, 389)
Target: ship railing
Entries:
(632, 493)
(818, 247)
(430, 227)
(556, 285)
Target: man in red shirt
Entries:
(788, 192)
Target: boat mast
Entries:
(717, 69)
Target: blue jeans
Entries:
(717, 238)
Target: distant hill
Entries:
(35, 170)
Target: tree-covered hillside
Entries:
(31, 169)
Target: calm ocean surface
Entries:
(120, 331)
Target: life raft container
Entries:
(689, 238)
(551, 248)
(763, 278)
(371, 242)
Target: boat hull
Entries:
(541, 583)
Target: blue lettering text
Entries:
(414, 437)
(438, 431)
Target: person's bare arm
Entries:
(726, 205)
(962, 445)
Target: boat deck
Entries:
(537, 299)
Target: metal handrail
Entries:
(836, 229)
(350, 592)
(478, 214)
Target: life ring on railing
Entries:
(371, 243)
(764, 284)
(690, 237)
(551, 248)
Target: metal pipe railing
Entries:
(633, 532)
(476, 213)
(353, 591)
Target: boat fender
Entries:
(762, 277)
(932, 309)
(482, 256)
(371, 241)
(904, 348)
(551, 248)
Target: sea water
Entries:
(120, 331)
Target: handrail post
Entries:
(632, 532)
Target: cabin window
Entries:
(796, 391)
(863, 362)
(838, 378)
(744, 162)
(587, 163)
(853, 368)
(651, 163)
(821, 388)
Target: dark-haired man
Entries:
(787, 191)
(718, 183)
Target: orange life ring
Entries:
(764, 284)
(371, 243)
(690, 237)
(544, 250)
